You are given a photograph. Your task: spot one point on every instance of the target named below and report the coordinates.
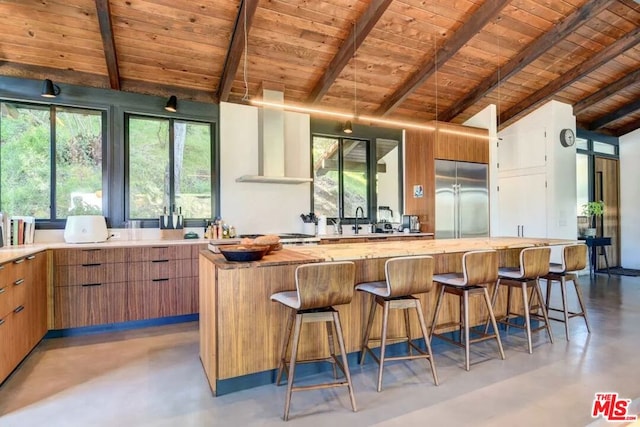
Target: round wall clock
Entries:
(567, 137)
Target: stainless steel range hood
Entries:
(271, 145)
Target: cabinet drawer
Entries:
(84, 274)
(13, 270)
(159, 269)
(8, 353)
(160, 252)
(149, 299)
(89, 256)
(90, 305)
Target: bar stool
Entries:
(534, 263)
(405, 277)
(319, 287)
(574, 258)
(479, 268)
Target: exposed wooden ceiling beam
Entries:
(615, 115)
(362, 28)
(481, 17)
(532, 101)
(606, 92)
(630, 127)
(246, 11)
(108, 43)
(526, 56)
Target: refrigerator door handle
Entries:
(459, 213)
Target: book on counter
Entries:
(17, 230)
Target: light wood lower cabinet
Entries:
(90, 304)
(23, 309)
(148, 299)
(111, 285)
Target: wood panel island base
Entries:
(241, 329)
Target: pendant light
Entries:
(348, 127)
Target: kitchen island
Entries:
(241, 329)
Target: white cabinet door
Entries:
(524, 148)
(522, 202)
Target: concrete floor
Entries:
(153, 377)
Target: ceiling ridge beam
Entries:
(479, 19)
(533, 100)
(607, 91)
(615, 115)
(630, 127)
(236, 47)
(528, 55)
(351, 44)
(108, 42)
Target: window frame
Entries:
(53, 222)
(214, 161)
(333, 129)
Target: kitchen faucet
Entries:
(355, 228)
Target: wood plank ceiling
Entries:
(414, 60)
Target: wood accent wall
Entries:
(463, 143)
(448, 141)
(419, 170)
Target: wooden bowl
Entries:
(243, 253)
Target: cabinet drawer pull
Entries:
(86, 285)
(19, 309)
(95, 264)
(1, 322)
(2, 290)
(18, 282)
(30, 257)
(160, 247)
(159, 280)
(160, 260)
(91, 250)
(19, 261)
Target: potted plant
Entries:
(592, 210)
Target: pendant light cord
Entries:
(246, 52)
(355, 74)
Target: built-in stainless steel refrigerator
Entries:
(462, 199)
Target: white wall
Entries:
(259, 207)
(486, 119)
(629, 200)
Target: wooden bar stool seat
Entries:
(534, 263)
(404, 277)
(479, 268)
(319, 287)
(574, 259)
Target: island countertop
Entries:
(281, 257)
(371, 250)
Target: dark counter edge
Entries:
(121, 326)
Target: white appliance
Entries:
(85, 229)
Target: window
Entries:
(169, 167)
(603, 147)
(30, 182)
(340, 176)
(356, 172)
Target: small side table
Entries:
(594, 243)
